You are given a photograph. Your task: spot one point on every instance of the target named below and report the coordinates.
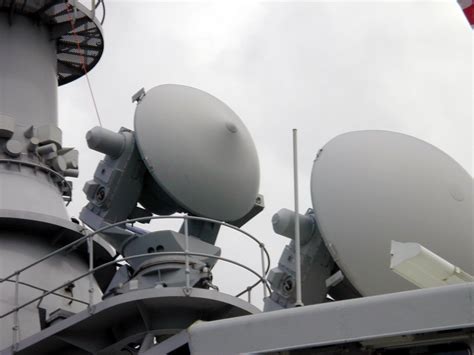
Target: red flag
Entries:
(468, 8)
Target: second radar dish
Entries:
(371, 187)
(198, 151)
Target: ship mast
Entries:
(43, 44)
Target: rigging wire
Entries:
(83, 59)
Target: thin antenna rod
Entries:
(299, 301)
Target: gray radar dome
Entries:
(371, 187)
(198, 151)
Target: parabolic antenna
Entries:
(198, 151)
(371, 187)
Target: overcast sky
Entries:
(323, 67)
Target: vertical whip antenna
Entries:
(299, 301)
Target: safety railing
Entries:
(93, 6)
(15, 276)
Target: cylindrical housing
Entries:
(105, 141)
(33, 218)
(31, 193)
(284, 224)
(28, 75)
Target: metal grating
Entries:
(78, 36)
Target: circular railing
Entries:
(15, 276)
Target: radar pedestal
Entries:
(191, 154)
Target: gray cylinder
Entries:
(28, 80)
(105, 141)
(284, 224)
(31, 186)
(29, 195)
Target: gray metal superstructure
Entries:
(111, 287)
(53, 268)
(38, 53)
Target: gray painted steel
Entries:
(18, 249)
(198, 150)
(68, 24)
(35, 55)
(29, 193)
(284, 224)
(105, 141)
(371, 187)
(168, 345)
(367, 188)
(377, 322)
(28, 81)
(317, 264)
(128, 318)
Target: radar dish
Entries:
(198, 151)
(371, 187)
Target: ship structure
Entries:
(381, 263)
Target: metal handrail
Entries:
(45, 290)
(15, 309)
(89, 238)
(140, 219)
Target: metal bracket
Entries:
(334, 279)
(139, 95)
(187, 291)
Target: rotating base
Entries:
(119, 325)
